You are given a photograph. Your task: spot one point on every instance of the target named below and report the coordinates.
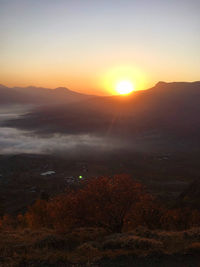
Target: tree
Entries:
(37, 215)
(1, 207)
(101, 202)
(8, 222)
(106, 202)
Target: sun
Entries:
(124, 87)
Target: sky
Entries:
(91, 45)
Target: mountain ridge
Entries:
(170, 113)
(38, 95)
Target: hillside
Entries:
(166, 111)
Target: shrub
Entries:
(114, 203)
(131, 242)
(37, 215)
(194, 248)
(51, 242)
(104, 202)
(8, 222)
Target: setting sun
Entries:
(124, 87)
(123, 79)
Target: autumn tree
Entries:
(148, 212)
(106, 202)
(1, 207)
(37, 215)
(7, 222)
(101, 202)
(63, 210)
(181, 219)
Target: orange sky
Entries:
(90, 46)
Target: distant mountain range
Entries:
(168, 110)
(38, 95)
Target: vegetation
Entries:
(96, 247)
(114, 203)
(103, 218)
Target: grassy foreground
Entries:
(96, 247)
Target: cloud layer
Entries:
(18, 141)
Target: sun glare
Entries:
(123, 80)
(124, 87)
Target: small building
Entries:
(47, 173)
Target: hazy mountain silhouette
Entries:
(168, 110)
(38, 95)
(11, 96)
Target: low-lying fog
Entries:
(14, 141)
(12, 111)
(17, 141)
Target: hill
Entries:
(168, 111)
(38, 95)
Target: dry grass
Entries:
(88, 245)
(131, 242)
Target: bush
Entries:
(104, 202)
(131, 242)
(87, 234)
(51, 242)
(8, 222)
(38, 215)
(194, 249)
(114, 203)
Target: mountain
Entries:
(168, 111)
(11, 96)
(38, 95)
